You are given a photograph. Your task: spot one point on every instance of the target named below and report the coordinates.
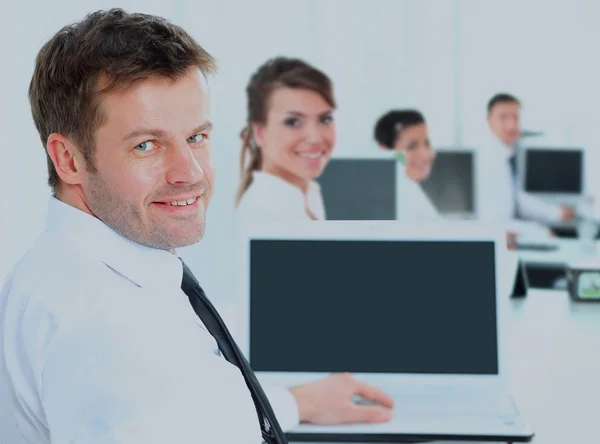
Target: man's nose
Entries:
(182, 165)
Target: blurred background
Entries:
(446, 58)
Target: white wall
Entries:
(541, 51)
(445, 57)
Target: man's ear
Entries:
(67, 160)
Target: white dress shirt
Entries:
(414, 205)
(271, 198)
(99, 344)
(499, 196)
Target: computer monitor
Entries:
(360, 189)
(450, 185)
(553, 173)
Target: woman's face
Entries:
(299, 135)
(414, 143)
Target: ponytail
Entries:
(250, 161)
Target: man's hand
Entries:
(567, 213)
(329, 401)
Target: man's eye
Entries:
(196, 138)
(145, 146)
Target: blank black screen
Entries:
(552, 171)
(373, 306)
(359, 189)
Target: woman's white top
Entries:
(414, 205)
(271, 198)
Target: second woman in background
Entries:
(405, 131)
(287, 142)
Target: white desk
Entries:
(555, 366)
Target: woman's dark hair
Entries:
(389, 126)
(278, 72)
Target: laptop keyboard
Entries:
(436, 405)
(536, 247)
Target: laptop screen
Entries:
(367, 306)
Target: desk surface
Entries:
(555, 366)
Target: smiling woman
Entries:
(406, 132)
(287, 141)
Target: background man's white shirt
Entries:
(498, 193)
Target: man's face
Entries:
(154, 175)
(504, 121)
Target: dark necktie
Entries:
(512, 161)
(271, 430)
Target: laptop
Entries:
(415, 310)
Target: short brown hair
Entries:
(113, 46)
(501, 98)
(278, 72)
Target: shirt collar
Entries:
(145, 266)
(501, 149)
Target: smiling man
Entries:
(106, 336)
(152, 177)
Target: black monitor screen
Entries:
(359, 189)
(425, 307)
(554, 171)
